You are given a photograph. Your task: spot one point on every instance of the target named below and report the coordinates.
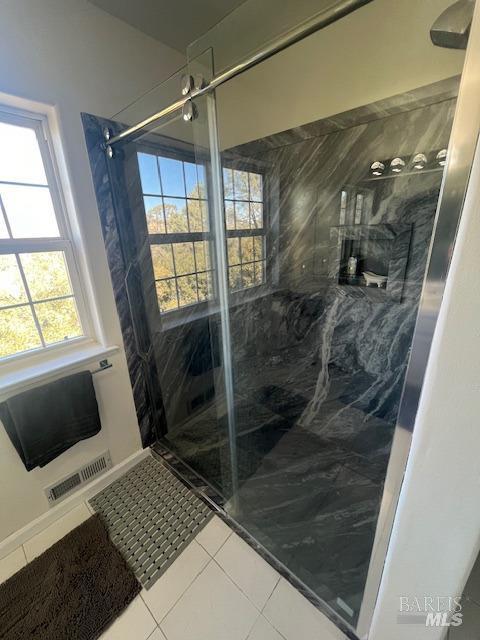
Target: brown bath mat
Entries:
(73, 591)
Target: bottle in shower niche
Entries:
(352, 266)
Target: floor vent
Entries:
(94, 468)
(64, 487)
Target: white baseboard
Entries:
(84, 493)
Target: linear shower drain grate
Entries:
(151, 517)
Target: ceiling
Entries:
(176, 23)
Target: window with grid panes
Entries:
(175, 200)
(39, 291)
(244, 221)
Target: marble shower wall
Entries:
(126, 255)
(353, 333)
(171, 368)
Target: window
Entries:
(176, 209)
(39, 293)
(174, 196)
(244, 219)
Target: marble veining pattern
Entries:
(123, 259)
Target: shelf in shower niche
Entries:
(379, 248)
(376, 294)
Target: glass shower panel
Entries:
(328, 168)
(206, 440)
(170, 237)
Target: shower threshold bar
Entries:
(305, 29)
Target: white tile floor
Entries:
(218, 589)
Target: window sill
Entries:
(184, 315)
(30, 372)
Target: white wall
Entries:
(378, 51)
(72, 55)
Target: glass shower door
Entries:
(325, 165)
(164, 223)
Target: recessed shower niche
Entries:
(370, 259)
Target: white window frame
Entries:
(38, 122)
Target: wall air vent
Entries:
(66, 486)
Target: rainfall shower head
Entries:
(452, 27)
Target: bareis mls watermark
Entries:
(430, 611)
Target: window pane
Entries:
(12, 290)
(228, 183)
(235, 277)
(196, 212)
(248, 275)
(187, 290)
(191, 180)
(149, 175)
(256, 187)
(229, 214)
(167, 294)
(58, 320)
(259, 272)
(18, 331)
(256, 215)
(246, 245)
(29, 211)
(184, 260)
(258, 247)
(172, 177)
(20, 157)
(46, 274)
(202, 181)
(240, 180)
(204, 209)
(202, 256)
(162, 261)
(176, 215)
(233, 250)
(154, 214)
(204, 286)
(242, 215)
